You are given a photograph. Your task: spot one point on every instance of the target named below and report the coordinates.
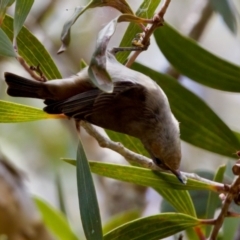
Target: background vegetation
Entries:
(201, 81)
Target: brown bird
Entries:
(137, 107)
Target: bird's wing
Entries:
(95, 100)
(124, 110)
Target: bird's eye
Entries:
(158, 161)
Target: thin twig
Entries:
(158, 21)
(30, 70)
(234, 190)
(131, 157)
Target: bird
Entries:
(137, 106)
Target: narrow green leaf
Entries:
(22, 9)
(146, 10)
(213, 198)
(14, 113)
(227, 11)
(4, 4)
(88, 204)
(32, 50)
(129, 142)
(230, 228)
(6, 48)
(120, 219)
(180, 200)
(153, 227)
(143, 176)
(165, 184)
(55, 221)
(199, 125)
(195, 62)
(199, 198)
(60, 194)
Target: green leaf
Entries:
(6, 48)
(144, 177)
(134, 144)
(195, 62)
(60, 194)
(230, 228)
(153, 227)
(120, 5)
(22, 9)
(32, 50)
(4, 4)
(213, 198)
(14, 113)
(146, 10)
(199, 198)
(120, 219)
(87, 198)
(199, 125)
(180, 200)
(164, 183)
(55, 220)
(227, 11)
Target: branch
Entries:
(158, 21)
(132, 157)
(233, 194)
(31, 70)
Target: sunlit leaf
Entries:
(60, 194)
(213, 198)
(144, 177)
(153, 227)
(165, 184)
(129, 142)
(13, 113)
(87, 198)
(4, 4)
(180, 200)
(146, 10)
(227, 11)
(199, 125)
(120, 5)
(6, 48)
(55, 220)
(195, 62)
(22, 9)
(32, 50)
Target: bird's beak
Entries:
(179, 176)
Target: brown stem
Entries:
(234, 190)
(131, 157)
(30, 70)
(157, 22)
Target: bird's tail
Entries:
(22, 87)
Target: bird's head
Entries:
(167, 155)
